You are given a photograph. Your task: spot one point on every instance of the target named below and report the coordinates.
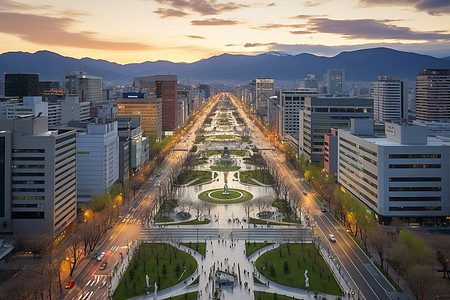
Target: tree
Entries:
(443, 255)
(74, 249)
(380, 242)
(420, 280)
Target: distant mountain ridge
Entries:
(359, 65)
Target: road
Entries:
(259, 234)
(362, 275)
(91, 283)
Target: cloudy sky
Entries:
(189, 30)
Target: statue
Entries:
(146, 279)
(156, 291)
(307, 279)
(225, 189)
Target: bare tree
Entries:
(420, 280)
(74, 249)
(380, 241)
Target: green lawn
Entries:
(199, 247)
(204, 197)
(191, 222)
(248, 161)
(238, 152)
(223, 136)
(256, 280)
(188, 176)
(246, 138)
(262, 176)
(188, 296)
(200, 162)
(297, 258)
(225, 168)
(290, 220)
(270, 296)
(163, 220)
(251, 248)
(212, 152)
(162, 262)
(199, 139)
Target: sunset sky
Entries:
(189, 30)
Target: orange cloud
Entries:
(54, 31)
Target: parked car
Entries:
(323, 209)
(305, 192)
(103, 265)
(70, 284)
(101, 256)
(332, 238)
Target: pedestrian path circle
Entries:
(217, 196)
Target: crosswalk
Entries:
(155, 234)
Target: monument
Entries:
(226, 155)
(225, 187)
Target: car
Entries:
(70, 284)
(332, 238)
(305, 192)
(101, 256)
(103, 265)
(323, 209)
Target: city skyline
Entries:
(189, 30)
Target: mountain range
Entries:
(359, 65)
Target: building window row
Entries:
(29, 151)
(27, 158)
(28, 190)
(414, 156)
(28, 182)
(28, 174)
(28, 215)
(28, 198)
(415, 189)
(436, 198)
(414, 166)
(414, 179)
(27, 166)
(416, 208)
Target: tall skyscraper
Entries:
(335, 81)
(37, 177)
(292, 103)
(86, 87)
(390, 99)
(164, 87)
(262, 90)
(22, 85)
(433, 95)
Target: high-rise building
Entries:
(335, 81)
(310, 82)
(390, 99)
(262, 90)
(165, 88)
(148, 108)
(433, 95)
(292, 102)
(322, 114)
(37, 177)
(182, 109)
(86, 87)
(22, 85)
(97, 158)
(403, 174)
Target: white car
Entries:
(332, 238)
(101, 256)
(305, 192)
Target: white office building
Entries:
(403, 175)
(292, 102)
(37, 177)
(97, 159)
(321, 115)
(74, 110)
(390, 99)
